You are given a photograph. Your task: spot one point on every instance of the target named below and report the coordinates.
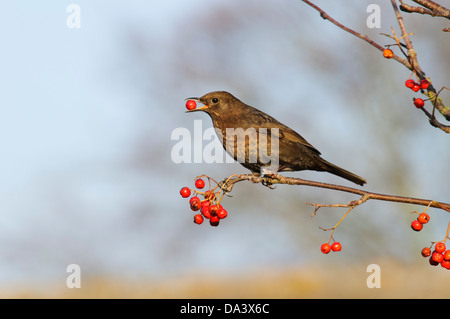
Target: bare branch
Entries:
(412, 55)
(274, 178)
(433, 9)
(411, 61)
(325, 16)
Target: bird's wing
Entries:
(286, 135)
(290, 136)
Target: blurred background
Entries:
(86, 174)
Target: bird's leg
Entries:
(227, 184)
(254, 177)
(268, 177)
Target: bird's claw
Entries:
(266, 182)
(226, 187)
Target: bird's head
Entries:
(214, 102)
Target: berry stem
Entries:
(335, 226)
(427, 206)
(445, 238)
(446, 234)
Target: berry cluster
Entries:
(439, 256)
(417, 224)
(326, 247)
(411, 84)
(210, 207)
(423, 85)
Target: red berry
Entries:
(325, 248)
(447, 255)
(222, 213)
(433, 262)
(213, 210)
(190, 104)
(200, 183)
(423, 218)
(445, 264)
(206, 212)
(198, 219)
(419, 103)
(426, 252)
(388, 54)
(424, 84)
(409, 83)
(214, 221)
(336, 246)
(193, 198)
(185, 192)
(416, 87)
(206, 203)
(440, 247)
(195, 205)
(415, 225)
(437, 257)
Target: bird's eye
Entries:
(215, 100)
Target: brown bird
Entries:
(261, 143)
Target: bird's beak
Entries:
(196, 99)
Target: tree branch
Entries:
(275, 178)
(412, 57)
(433, 9)
(410, 62)
(433, 121)
(325, 16)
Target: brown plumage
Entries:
(259, 129)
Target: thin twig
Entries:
(412, 55)
(337, 224)
(326, 16)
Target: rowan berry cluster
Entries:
(423, 85)
(440, 254)
(417, 224)
(208, 208)
(326, 247)
(413, 85)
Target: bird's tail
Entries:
(333, 169)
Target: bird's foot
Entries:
(227, 184)
(226, 187)
(267, 181)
